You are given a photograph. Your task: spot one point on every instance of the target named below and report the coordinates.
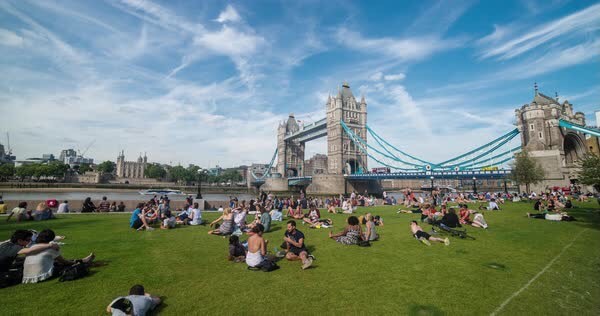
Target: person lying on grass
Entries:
(138, 219)
(295, 247)
(49, 262)
(226, 227)
(21, 213)
(138, 303)
(351, 234)
(424, 237)
(492, 206)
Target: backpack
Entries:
(363, 243)
(265, 266)
(74, 272)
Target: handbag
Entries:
(74, 272)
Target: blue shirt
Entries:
(135, 216)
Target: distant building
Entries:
(6, 156)
(131, 169)
(316, 165)
(216, 171)
(70, 157)
(48, 157)
(243, 171)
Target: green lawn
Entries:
(397, 275)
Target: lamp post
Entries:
(431, 178)
(475, 185)
(505, 187)
(345, 184)
(433, 201)
(200, 173)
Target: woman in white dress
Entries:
(48, 263)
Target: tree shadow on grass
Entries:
(424, 310)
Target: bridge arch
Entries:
(574, 148)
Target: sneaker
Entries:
(149, 228)
(307, 263)
(425, 241)
(89, 258)
(313, 257)
(446, 241)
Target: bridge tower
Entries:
(290, 157)
(343, 156)
(555, 148)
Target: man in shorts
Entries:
(296, 250)
(425, 237)
(138, 219)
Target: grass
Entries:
(397, 275)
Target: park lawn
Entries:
(397, 275)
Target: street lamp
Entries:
(505, 187)
(345, 184)
(432, 197)
(475, 185)
(431, 183)
(200, 173)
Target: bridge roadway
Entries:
(487, 174)
(310, 132)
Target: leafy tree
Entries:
(106, 167)
(155, 171)
(7, 170)
(178, 173)
(231, 175)
(55, 169)
(589, 173)
(83, 168)
(525, 170)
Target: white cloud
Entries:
(229, 15)
(409, 48)
(582, 22)
(229, 41)
(376, 76)
(394, 77)
(9, 38)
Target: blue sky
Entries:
(207, 82)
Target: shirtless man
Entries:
(425, 237)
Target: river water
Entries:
(113, 196)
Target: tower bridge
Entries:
(551, 132)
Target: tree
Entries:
(526, 170)
(178, 173)
(589, 173)
(155, 171)
(7, 170)
(231, 175)
(106, 167)
(83, 168)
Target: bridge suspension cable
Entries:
(502, 139)
(268, 172)
(379, 139)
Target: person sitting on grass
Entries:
(183, 216)
(121, 207)
(294, 211)
(42, 212)
(20, 212)
(151, 214)
(350, 235)
(464, 214)
(138, 219)
(295, 247)
(195, 215)
(276, 214)
(88, 206)
(257, 247)
(313, 218)
(226, 228)
(370, 233)
(424, 237)
(450, 220)
(10, 268)
(239, 218)
(138, 303)
(331, 208)
(168, 221)
(49, 262)
(104, 205)
(237, 252)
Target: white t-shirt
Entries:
(240, 217)
(196, 216)
(493, 206)
(63, 208)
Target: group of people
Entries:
(32, 257)
(104, 206)
(551, 206)
(43, 211)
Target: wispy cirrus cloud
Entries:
(582, 22)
